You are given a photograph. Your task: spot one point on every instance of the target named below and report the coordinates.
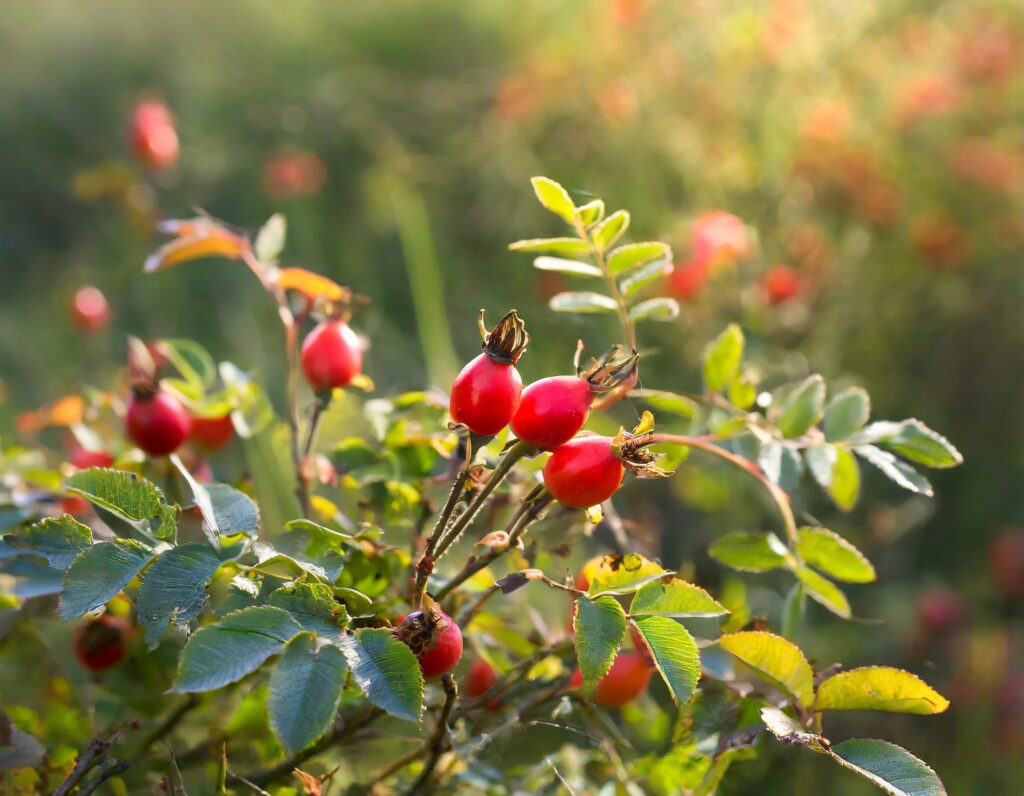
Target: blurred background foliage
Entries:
(874, 148)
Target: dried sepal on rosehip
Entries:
(630, 447)
(433, 637)
(486, 392)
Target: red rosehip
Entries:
(100, 643)
(687, 280)
(939, 610)
(89, 309)
(332, 355)
(212, 432)
(780, 284)
(75, 505)
(82, 458)
(434, 639)
(152, 136)
(157, 422)
(583, 472)
(480, 678)
(625, 681)
(1006, 562)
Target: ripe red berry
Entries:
(100, 643)
(480, 678)
(687, 280)
(486, 393)
(939, 610)
(75, 505)
(212, 432)
(434, 638)
(82, 458)
(780, 284)
(157, 422)
(625, 681)
(152, 135)
(332, 355)
(89, 309)
(583, 472)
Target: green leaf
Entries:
(670, 402)
(912, 440)
(903, 474)
(386, 671)
(235, 646)
(834, 556)
(803, 407)
(824, 591)
(642, 277)
(192, 361)
(722, 358)
(270, 239)
(583, 301)
(890, 767)
(564, 246)
(675, 655)
(674, 598)
(174, 590)
(566, 266)
(590, 213)
(623, 574)
(720, 765)
(98, 573)
(634, 254)
(775, 660)
(655, 309)
(313, 606)
(128, 497)
(305, 689)
(749, 552)
(879, 688)
(225, 509)
(18, 749)
(57, 539)
(846, 413)
(781, 463)
(600, 626)
(742, 392)
(610, 230)
(555, 198)
(845, 487)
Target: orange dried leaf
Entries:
(310, 784)
(66, 411)
(312, 286)
(196, 238)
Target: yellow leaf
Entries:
(775, 660)
(312, 286)
(879, 688)
(195, 239)
(621, 573)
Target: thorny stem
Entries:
(316, 415)
(426, 563)
(439, 740)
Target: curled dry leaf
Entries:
(194, 239)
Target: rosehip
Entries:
(100, 643)
(780, 284)
(75, 505)
(212, 432)
(157, 422)
(687, 280)
(332, 355)
(480, 678)
(434, 639)
(152, 136)
(82, 458)
(89, 309)
(486, 393)
(939, 610)
(583, 472)
(553, 410)
(625, 681)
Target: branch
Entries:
(168, 724)
(439, 740)
(104, 771)
(89, 757)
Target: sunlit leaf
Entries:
(775, 660)
(675, 655)
(583, 301)
(311, 285)
(899, 472)
(912, 440)
(570, 246)
(197, 239)
(599, 626)
(833, 555)
(555, 198)
(823, 591)
(655, 309)
(803, 407)
(879, 688)
(566, 266)
(128, 496)
(749, 552)
(722, 358)
(622, 574)
(57, 539)
(387, 672)
(270, 239)
(674, 598)
(610, 230)
(846, 413)
(634, 254)
(670, 402)
(66, 411)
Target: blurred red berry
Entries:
(152, 135)
(780, 284)
(212, 432)
(89, 309)
(687, 280)
(100, 643)
(939, 610)
(82, 458)
(1006, 562)
(625, 681)
(157, 423)
(291, 175)
(332, 355)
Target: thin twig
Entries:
(439, 740)
(89, 757)
(168, 724)
(394, 768)
(104, 771)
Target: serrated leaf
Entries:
(590, 213)
(655, 309)
(632, 255)
(610, 230)
(600, 626)
(890, 767)
(235, 646)
(567, 246)
(674, 598)
(789, 730)
(313, 606)
(821, 461)
(386, 671)
(775, 660)
(912, 440)
(675, 655)
(748, 552)
(722, 358)
(225, 509)
(833, 555)
(566, 266)
(846, 413)
(664, 401)
(305, 689)
(622, 574)
(642, 277)
(555, 198)
(128, 497)
(174, 589)
(270, 239)
(803, 407)
(823, 591)
(98, 573)
(583, 301)
(192, 361)
(879, 688)
(57, 539)
(845, 487)
(903, 474)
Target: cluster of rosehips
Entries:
(548, 415)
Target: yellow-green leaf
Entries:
(879, 688)
(775, 660)
(622, 574)
(825, 592)
(554, 198)
(834, 556)
(674, 597)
